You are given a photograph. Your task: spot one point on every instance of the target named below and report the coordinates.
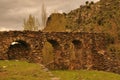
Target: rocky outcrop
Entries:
(56, 23)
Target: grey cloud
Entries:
(12, 12)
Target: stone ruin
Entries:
(88, 49)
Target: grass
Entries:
(19, 70)
(86, 75)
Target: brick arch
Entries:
(18, 49)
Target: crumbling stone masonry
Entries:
(88, 52)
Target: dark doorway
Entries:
(18, 50)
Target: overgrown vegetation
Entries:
(48, 55)
(55, 23)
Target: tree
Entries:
(87, 2)
(31, 24)
(92, 3)
(44, 16)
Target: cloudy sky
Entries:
(13, 12)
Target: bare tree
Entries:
(31, 24)
(43, 15)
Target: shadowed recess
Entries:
(77, 44)
(54, 44)
(18, 50)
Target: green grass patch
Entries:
(86, 75)
(19, 70)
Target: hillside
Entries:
(102, 16)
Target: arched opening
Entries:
(18, 50)
(51, 51)
(77, 44)
(78, 53)
(54, 44)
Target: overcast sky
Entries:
(13, 12)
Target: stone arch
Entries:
(52, 54)
(18, 49)
(54, 44)
(78, 53)
(77, 44)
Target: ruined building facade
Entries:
(77, 50)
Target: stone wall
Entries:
(77, 50)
